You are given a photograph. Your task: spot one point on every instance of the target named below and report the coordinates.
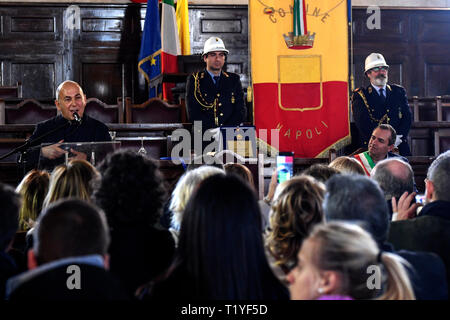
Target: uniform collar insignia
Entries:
(225, 74)
(370, 90)
(389, 87)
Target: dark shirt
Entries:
(51, 285)
(90, 130)
(138, 254)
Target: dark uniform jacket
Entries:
(369, 111)
(90, 130)
(215, 106)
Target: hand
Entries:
(404, 208)
(272, 186)
(53, 151)
(78, 155)
(398, 140)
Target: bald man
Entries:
(395, 177)
(75, 126)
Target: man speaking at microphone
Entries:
(75, 125)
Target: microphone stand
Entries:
(31, 143)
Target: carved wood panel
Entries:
(39, 47)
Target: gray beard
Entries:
(380, 82)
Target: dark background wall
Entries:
(38, 47)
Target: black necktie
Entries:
(216, 80)
(383, 98)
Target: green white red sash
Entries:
(366, 161)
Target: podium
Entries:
(95, 152)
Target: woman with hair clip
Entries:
(341, 261)
(220, 252)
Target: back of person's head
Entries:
(241, 171)
(221, 245)
(9, 215)
(394, 176)
(33, 188)
(296, 208)
(73, 180)
(205, 160)
(70, 228)
(348, 165)
(184, 189)
(320, 171)
(439, 174)
(347, 250)
(131, 190)
(357, 198)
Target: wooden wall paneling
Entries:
(230, 23)
(39, 74)
(31, 44)
(392, 40)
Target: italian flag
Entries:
(170, 44)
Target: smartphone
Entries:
(285, 166)
(420, 198)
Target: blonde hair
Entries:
(348, 249)
(184, 189)
(296, 208)
(347, 165)
(32, 189)
(73, 180)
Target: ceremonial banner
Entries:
(299, 62)
(150, 55)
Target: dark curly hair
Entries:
(131, 190)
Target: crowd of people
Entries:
(333, 232)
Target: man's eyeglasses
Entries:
(376, 69)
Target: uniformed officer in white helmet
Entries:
(380, 103)
(214, 96)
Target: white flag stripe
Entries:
(169, 41)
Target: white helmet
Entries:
(214, 44)
(374, 60)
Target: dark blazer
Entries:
(394, 111)
(201, 92)
(427, 274)
(90, 130)
(51, 285)
(430, 232)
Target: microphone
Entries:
(77, 117)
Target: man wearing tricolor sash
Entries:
(381, 143)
